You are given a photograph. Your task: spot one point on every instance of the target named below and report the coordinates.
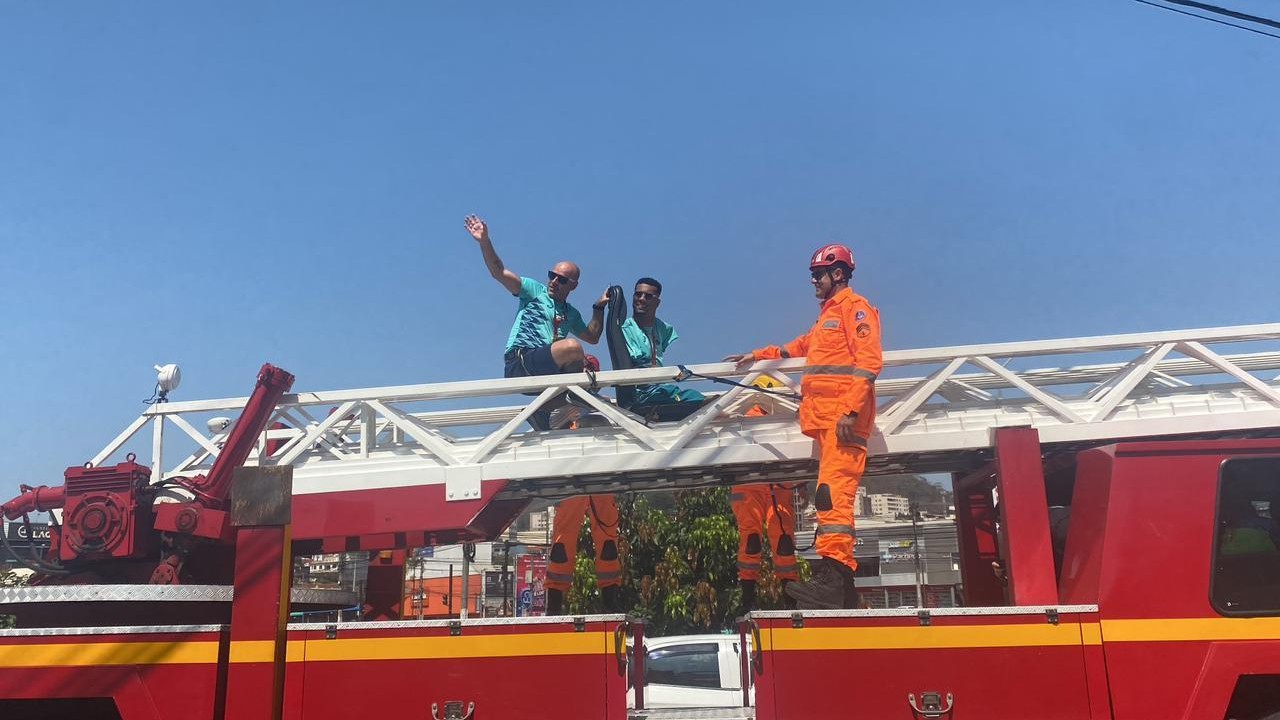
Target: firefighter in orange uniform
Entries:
(843, 358)
(764, 510)
(603, 513)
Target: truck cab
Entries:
(1165, 602)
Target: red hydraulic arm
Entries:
(110, 513)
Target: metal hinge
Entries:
(926, 619)
(579, 624)
(1051, 615)
(330, 632)
(455, 627)
(797, 620)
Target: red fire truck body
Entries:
(1161, 598)
(544, 668)
(1135, 633)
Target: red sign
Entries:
(531, 590)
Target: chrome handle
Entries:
(453, 711)
(931, 705)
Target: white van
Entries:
(692, 671)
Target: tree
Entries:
(9, 578)
(679, 564)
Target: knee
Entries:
(609, 550)
(822, 501)
(568, 354)
(558, 553)
(754, 546)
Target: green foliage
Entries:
(9, 578)
(679, 563)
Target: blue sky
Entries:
(226, 185)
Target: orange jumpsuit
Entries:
(760, 509)
(604, 534)
(842, 359)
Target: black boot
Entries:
(612, 595)
(851, 601)
(748, 595)
(824, 590)
(555, 602)
(788, 602)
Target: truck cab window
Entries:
(1246, 557)
(695, 665)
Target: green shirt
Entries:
(646, 346)
(540, 320)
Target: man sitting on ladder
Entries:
(539, 343)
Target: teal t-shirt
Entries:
(540, 320)
(647, 346)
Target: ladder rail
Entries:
(376, 429)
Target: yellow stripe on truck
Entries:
(104, 653)
(87, 654)
(921, 638)
(423, 648)
(1191, 629)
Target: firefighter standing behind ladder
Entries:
(838, 408)
(764, 510)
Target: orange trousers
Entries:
(603, 512)
(765, 510)
(840, 469)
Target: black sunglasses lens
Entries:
(556, 277)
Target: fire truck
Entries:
(166, 592)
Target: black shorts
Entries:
(524, 362)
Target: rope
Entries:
(686, 373)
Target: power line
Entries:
(1228, 12)
(1202, 17)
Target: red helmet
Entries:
(829, 255)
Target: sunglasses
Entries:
(553, 276)
(642, 295)
(819, 273)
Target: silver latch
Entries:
(931, 705)
(452, 711)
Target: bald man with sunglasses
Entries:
(539, 343)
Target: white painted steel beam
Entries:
(1173, 384)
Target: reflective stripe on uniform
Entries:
(748, 565)
(839, 370)
(602, 576)
(559, 577)
(835, 529)
(735, 497)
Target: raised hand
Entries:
(477, 227)
(741, 359)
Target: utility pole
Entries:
(915, 550)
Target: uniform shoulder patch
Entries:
(864, 330)
(860, 315)
(832, 323)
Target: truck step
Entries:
(735, 713)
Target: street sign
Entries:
(28, 534)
